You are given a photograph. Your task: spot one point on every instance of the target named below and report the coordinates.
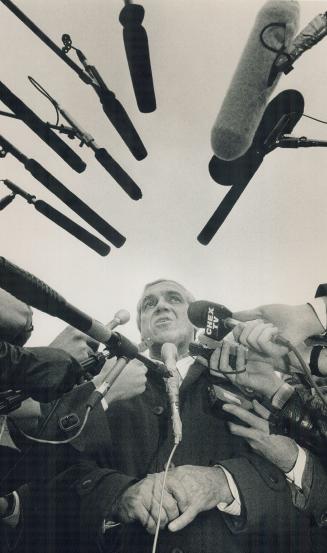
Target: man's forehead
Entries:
(164, 286)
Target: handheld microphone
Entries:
(248, 93)
(25, 114)
(38, 294)
(138, 56)
(217, 320)
(169, 356)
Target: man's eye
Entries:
(148, 303)
(175, 299)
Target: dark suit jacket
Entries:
(133, 438)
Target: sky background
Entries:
(270, 249)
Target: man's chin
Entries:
(167, 335)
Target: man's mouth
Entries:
(162, 321)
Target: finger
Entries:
(265, 339)
(249, 418)
(214, 359)
(237, 331)
(184, 519)
(250, 332)
(156, 512)
(145, 518)
(177, 490)
(170, 506)
(241, 358)
(261, 410)
(248, 314)
(224, 357)
(245, 432)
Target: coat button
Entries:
(158, 410)
(86, 483)
(323, 518)
(273, 478)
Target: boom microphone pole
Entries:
(56, 217)
(59, 190)
(38, 294)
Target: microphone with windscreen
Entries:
(249, 91)
(279, 118)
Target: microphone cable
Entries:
(155, 540)
(93, 400)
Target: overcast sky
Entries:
(270, 249)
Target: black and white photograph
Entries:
(163, 296)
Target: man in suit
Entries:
(220, 496)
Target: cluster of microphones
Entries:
(138, 58)
(247, 127)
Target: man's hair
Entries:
(189, 296)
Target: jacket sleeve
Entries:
(266, 500)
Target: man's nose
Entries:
(162, 305)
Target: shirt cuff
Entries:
(13, 518)
(319, 307)
(234, 508)
(296, 474)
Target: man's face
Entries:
(164, 315)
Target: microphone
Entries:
(40, 128)
(59, 219)
(138, 56)
(274, 29)
(120, 318)
(280, 117)
(100, 153)
(59, 190)
(217, 320)
(169, 356)
(38, 294)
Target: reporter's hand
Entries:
(140, 502)
(131, 382)
(279, 450)
(78, 344)
(294, 322)
(196, 489)
(252, 371)
(258, 336)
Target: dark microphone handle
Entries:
(77, 205)
(138, 56)
(73, 228)
(118, 173)
(33, 291)
(122, 123)
(41, 129)
(219, 216)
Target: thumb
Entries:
(248, 314)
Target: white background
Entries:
(270, 249)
